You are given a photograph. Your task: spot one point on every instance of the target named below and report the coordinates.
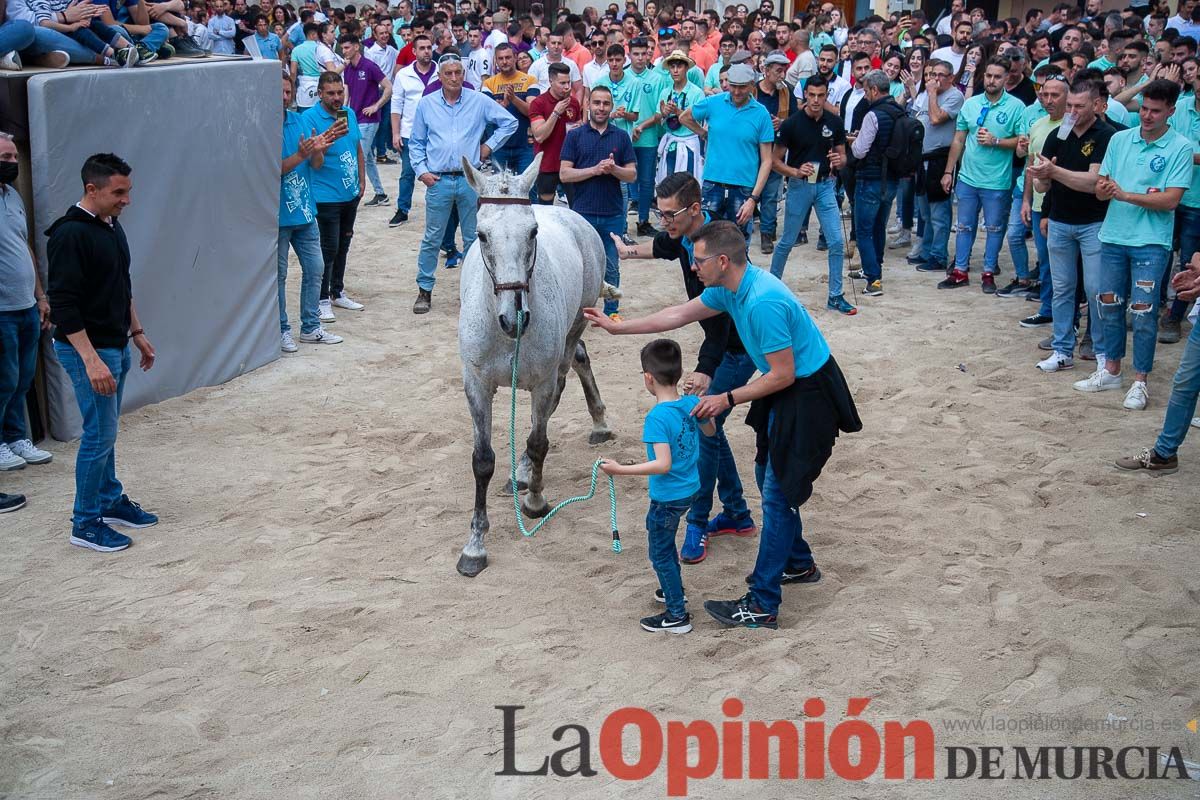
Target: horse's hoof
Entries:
(470, 566)
(599, 437)
(535, 513)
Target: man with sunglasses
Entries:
(989, 129)
(597, 68)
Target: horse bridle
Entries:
(497, 288)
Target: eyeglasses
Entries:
(669, 216)
(697, 260)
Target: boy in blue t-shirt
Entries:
(672, 450)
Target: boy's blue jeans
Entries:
(716, 463)
(96, 484)
(662, 524)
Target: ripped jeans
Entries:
(1131, 275)
(995, 204)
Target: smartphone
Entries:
(343, 116)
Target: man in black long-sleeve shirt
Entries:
(91, 304)
(722, 366)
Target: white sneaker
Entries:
(918, 245)
(894, 227)
(1136, 397)
(345, 302)
(23, 448)
(286, 343)
(10, 460)
(1196, 422)
(320, 336)
(1099, 381)
(902, 239)
(325, 313)
(11, 62)
(1056, 362)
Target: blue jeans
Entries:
(20, 332)
(367, 131)
(1187, 222)
(768, 210)
(723, 201)
(1123, 269)
(716, 464)
(383, 136)
(647, 162)
(408, 180)
(156, 38)
(306, 241)
(905, 202)
(938, 216)
(872, 200)
(612, 265)
(45, 40)
(514, 157)
(451, 192)
(96, 484)
(1016, 237)
(801, 197)
(995, 204)
(1067, 243)
(781, 543)
(1182, 405)
(15, 36)
(662, 525)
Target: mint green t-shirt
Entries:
(685, 99)
(650, 86)
(712, 79)
(1186, 122)
(625, 93)
(982, 166)
(694, 75)
(1141, 167)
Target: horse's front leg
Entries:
(483, 463)
(545, 398)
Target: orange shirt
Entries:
(579, 54)
(703, 55)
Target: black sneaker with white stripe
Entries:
(741, 612)
(810, 575)
(662, 623)
(662, 598)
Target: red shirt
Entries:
(406, 56)
(541, 107)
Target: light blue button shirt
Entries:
(443, 133)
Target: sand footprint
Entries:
(955, 578)
(945, 681)
(1004, 603)
(916, 620)
(1045, 673)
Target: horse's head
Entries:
(506, 234)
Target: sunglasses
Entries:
(449, 58)
(983, 113)
(639, 41)
(666, 33)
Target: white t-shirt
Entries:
(494, 38)
(384, 58)
(593, 71)
(541, 71)
(948, 54)
(479, 66)
(838, 86)
(325, 56)
(943, 26)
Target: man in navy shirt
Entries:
(597, 157)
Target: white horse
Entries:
(549, 263)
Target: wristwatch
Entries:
(755, 198)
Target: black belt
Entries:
(730, 185)
(450, 172)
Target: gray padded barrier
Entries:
(203, 140)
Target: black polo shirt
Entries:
(1077, 154)
(809, 139)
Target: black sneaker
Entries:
(957, 278)
(377, 200)
(661, 623)
(11, 502)
(662, 598)
(931, 266)
(398, 219)
(145, 54)
(856, 274)
(646, 229)
(1015, 288)
(802, 238)
(810, 575)
(916, 259)
(1036, 321)
(383, 160)
(988, 283)
(741, 611)
(185, 48)
(166, 51)
(424, 301)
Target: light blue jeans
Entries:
(1066, 244)
(1131, 275)
(1016, 237)
(994, 203)
(1182, 405)
(450, 192)
(408, 180)
(801, 197)
(716, 463)
(15, 36)
(938, 216)
(367, 131)
(96, 486)
(306, 241)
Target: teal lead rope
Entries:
(512, 458)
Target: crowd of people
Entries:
(1077, 129)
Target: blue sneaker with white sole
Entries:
(695, 545)
(129, 514)
(95, 535)
(453, 259)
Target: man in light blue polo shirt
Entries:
(801, 402)
(1185, 121)
(989, 128)
(1144, 173)
(740, 136)
(337, 187)
(303, 150)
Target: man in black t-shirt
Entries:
(1067, 172)
(809, 150)
(722, 366)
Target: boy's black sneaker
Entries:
(742, 612)
(661, 623)
(662, 598)
(810, 575)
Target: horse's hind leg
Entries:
(483, 463)
(545, 398)
(582, 364)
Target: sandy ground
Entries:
(295, 628)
